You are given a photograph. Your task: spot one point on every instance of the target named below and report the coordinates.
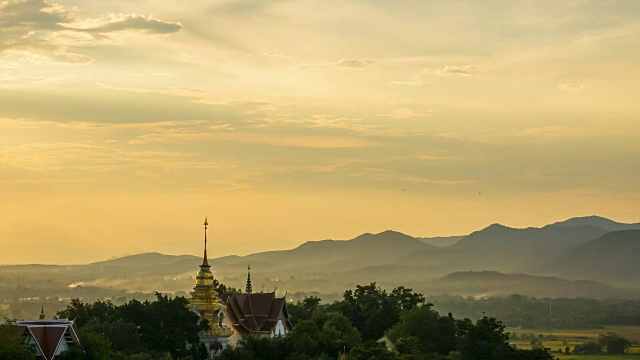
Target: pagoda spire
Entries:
(42, 315)
(205, 262)
(248, 289)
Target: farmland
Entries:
(556, 339)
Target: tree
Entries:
(405, 298)
(370, 309)
(158, 328)
(422, 330)
(95, 346)
(12, 346)
(614, 344)
(338, 333)
(304, 339)
(486, 340)
(302, 310)
(588, 348)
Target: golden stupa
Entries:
(204, 297)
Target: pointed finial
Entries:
(205, 262)
(205, 232)
(42, 316)
(248, 288)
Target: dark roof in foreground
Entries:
(256, 312)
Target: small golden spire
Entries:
(205, 262)
(248, 288)
(344, 353)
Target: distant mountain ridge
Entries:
(598, 221)
(499, 237)
(559, 253)
(441, 241)
(612, 257)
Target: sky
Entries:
(124, 123)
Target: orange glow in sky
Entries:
(122, 124)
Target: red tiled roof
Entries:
(49, 334)
(255, 312)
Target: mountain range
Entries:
(587, 256)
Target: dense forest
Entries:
(166, 329)
(525, 311)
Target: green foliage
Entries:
(166, 329)
(614, 344)
(135, 329)
(588, 348)
(302, 310)
(485, 340)
(12, 346)
(530, 312)
(422, 330)
(372, 310)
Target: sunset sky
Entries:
(124, 123)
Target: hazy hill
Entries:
(142, 260)
(613, 257)
(575, 249)
(335, 255)
(441, 241)
(598, 221)
(498, 237)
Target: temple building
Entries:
(235, 315)
(206, 303)
(48, 338)
(261, 314)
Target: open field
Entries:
(597, 357)
(555, 339)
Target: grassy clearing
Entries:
(597, 357)
(555, 339)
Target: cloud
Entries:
(353, 63)
(407, 82)
(455, 70)
(126, 22)
(551, 131)
(97, 158)
(417, 179)
(268, 53)
(619, 31)
(297, 141)
(570, 87)
(12, 123)
(405, 113)
(40, 32)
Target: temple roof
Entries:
(48, 334)
(256, 312)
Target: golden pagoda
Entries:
(343, 356)
(205, 302)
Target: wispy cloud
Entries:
(619, 31)
(11, 123)
(353, 63)
(425, 180)
(268, 53)
(125, 22)
(551, 131)
(413, 83)
(455, 70)
(570, 87)
(97, 158)
(41, 32)
(405, 113)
